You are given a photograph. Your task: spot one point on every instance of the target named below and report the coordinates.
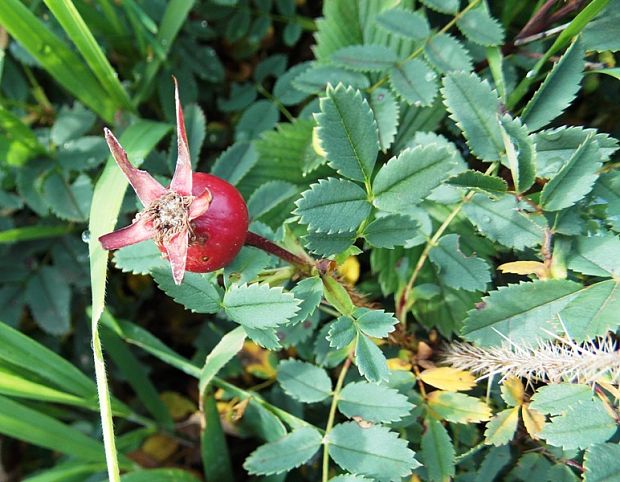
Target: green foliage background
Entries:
(430, 142)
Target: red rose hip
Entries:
(217, 235)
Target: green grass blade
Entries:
(17, 349)
(77, 30)
(136, 376)
(28, 233)
(174, 17)
(67, 472)
(213, 447)
(55, 57)
(138, 336)
(15, 385)
(23, 423)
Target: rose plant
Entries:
(392, 256)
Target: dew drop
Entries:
(530, 74)
(204, 24)
(430, 76)
(164, 42)
(486, 219)
(86, 236)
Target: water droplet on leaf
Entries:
(86, 236)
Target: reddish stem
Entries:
(259, 242)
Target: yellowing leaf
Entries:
(316, 144)
(397, 364)
(159, 447)
(513, 391)
(448, 378)
(525, 268)
(502, 427)
(350, 270)
(533, 420)
(178, 405)
(458, 407)
(258, 361)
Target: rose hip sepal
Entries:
(199, 222)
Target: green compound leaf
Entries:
(457, 270)
(326, 245)
(594, 311)
(443, 6)
(303, 381)
(140, 258)
(554, 147)
(375, 323)
(477, 180)
(391, 230)
(602, 462)
(365, 58)
(333, 206)
(407, 179)
(438, 452)
(582, 425)
(259, 306)
(236, 161)
(71, 123)
(349, 478)
(315, 79)
(285, 454)
(310, 292)
(458, 408)
(502, 427)
(558, 398)
(520, 312)
(268, 196)
(596, 255)
(414, 82)
(502, 221)
(348, 132)
(475, 106)
(49, 298)
(575, 179)
(375, 403)
(479, 27)
(198, 293)
(520, 153)
(341, 332)
(375, 451)
(404, 23)
(386, 111)
(447, 54)
(370, 360)
(557, 91)
(70, 201)
(244, 268)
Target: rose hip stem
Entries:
(253, 239)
